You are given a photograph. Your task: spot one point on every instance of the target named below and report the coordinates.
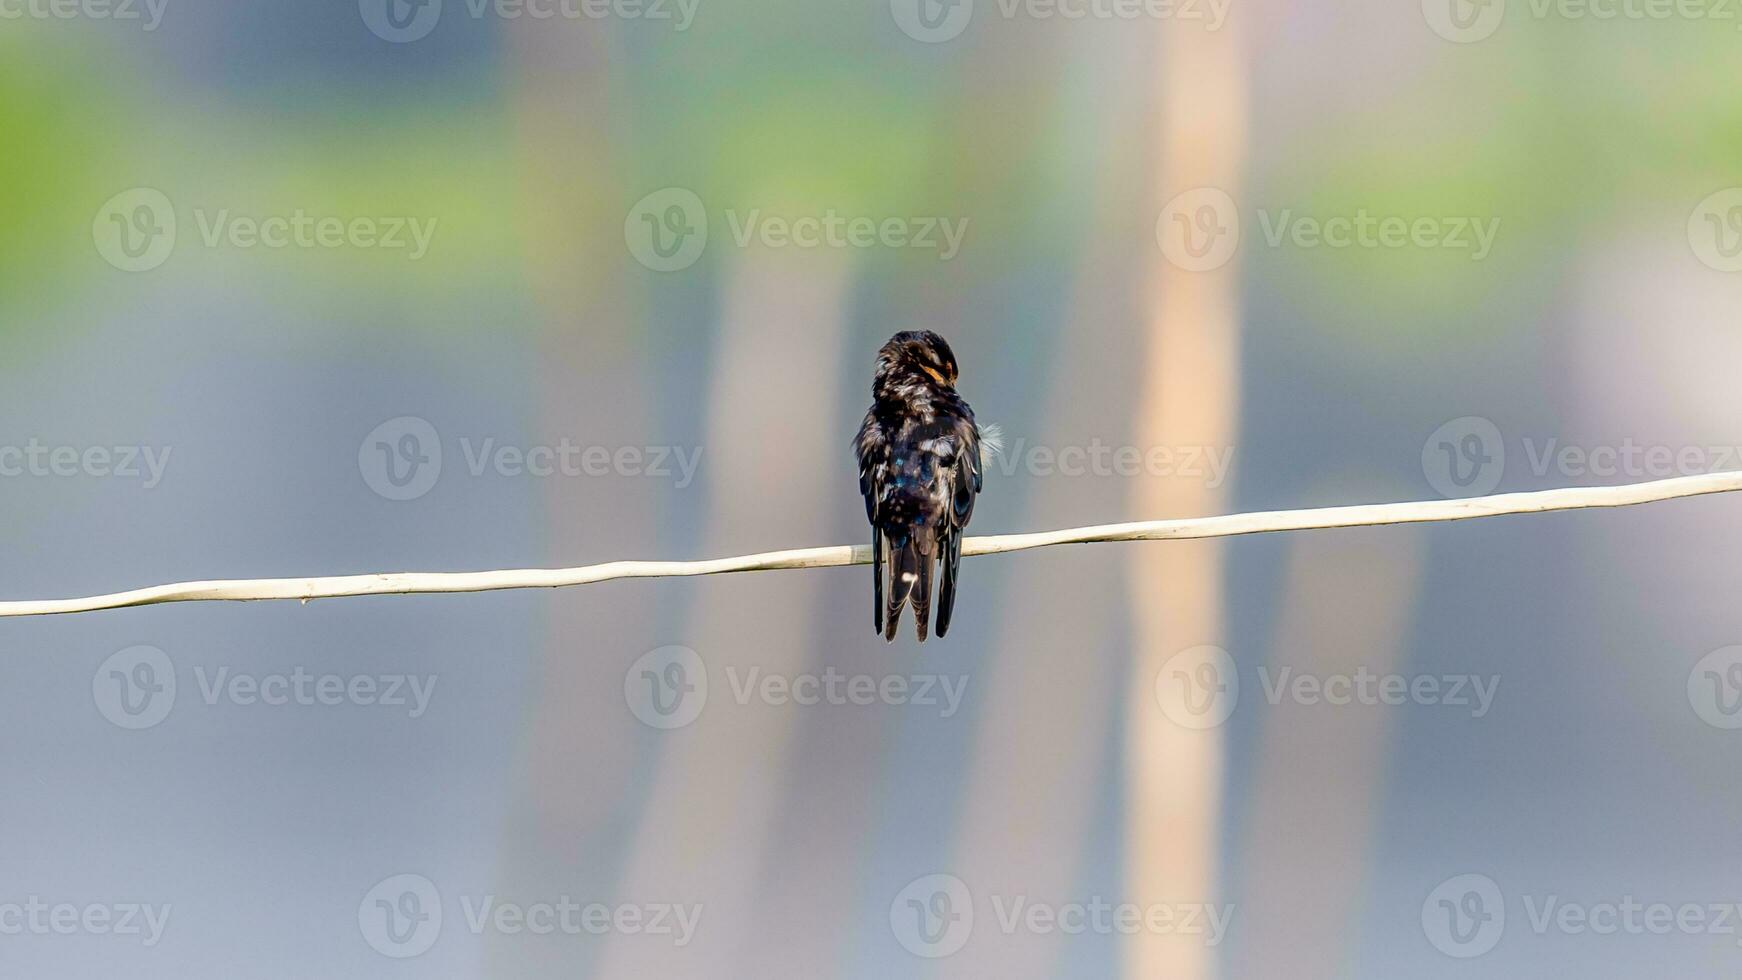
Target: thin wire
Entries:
(404, 583)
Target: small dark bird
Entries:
(920, 467)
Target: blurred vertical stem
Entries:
(1032, 788)
(1190, 398)
(1319, 773)
(590, 386)
(705, 834)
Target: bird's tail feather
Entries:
(924, 551)
(911, 558)
(877, 577)
(952, 557)
(901, 579)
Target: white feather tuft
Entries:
(991, 442)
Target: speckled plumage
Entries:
(920, 467)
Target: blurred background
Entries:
(325, 288)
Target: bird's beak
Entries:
(935, 375)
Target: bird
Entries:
(922, 461)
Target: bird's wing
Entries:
(871, 447)
(965, 478)
(968, 474)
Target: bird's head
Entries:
(916, 355)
